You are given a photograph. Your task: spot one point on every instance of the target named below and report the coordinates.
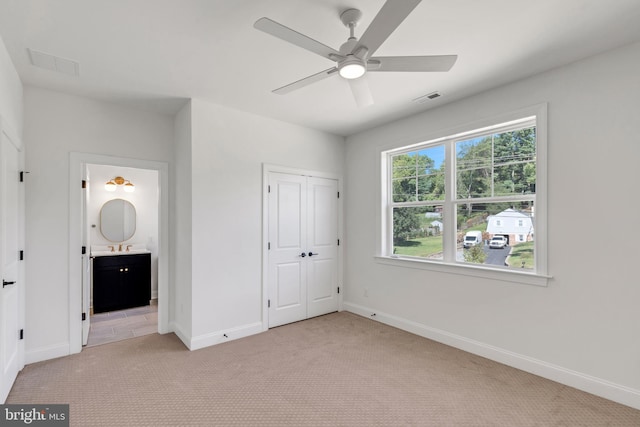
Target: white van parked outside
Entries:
(472, 238)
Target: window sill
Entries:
(467, 270)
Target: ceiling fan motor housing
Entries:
(347, 47)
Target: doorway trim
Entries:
(77, 162)
(267, 168)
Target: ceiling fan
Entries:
(354, 58)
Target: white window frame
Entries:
(517, 119)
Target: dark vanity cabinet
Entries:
(121, 281)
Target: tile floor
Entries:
(120, 325)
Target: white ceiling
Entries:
(154, 54)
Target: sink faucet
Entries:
(120, 247)
(112, 248)
(128, 246)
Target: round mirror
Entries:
(118, 220)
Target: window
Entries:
(474, 185)
(417, 177)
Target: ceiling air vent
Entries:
(53, 63)
(428, 97)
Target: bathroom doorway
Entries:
(121, 209)
(81, 233)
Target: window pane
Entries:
(418, 175)
(417, 231)
(501, 164)
(499, 234)
(404, 189)
(473, 168)
(514, 162)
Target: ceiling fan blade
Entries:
(412, 63)
(294, 37)
(391, 15)
(361, 92)
(306, 81)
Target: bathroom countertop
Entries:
(116, 253)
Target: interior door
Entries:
(287, 249)
(9, 294)
(303, 240)
(86, 260)
(322, 244)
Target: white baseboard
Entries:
(46, 353)
(218, 337)
(597, 386)
(192, 343)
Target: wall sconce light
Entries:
(112, 184)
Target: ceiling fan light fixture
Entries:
(352, 67)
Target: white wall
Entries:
(10, 92)
(181, 261)
(583, 328)
(228, 150)
(145, 201)
(55, 125)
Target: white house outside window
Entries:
(479, 187)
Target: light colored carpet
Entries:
(334, 370)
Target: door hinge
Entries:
(338, 194)
(84, 184)
(338, 289)
(21, 334)
(338, 242)
(269, 246)
(84, 316)
(268, 303)
(84, 250)
(22, 175)
(21, 255)
(268, 189)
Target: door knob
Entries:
(312, 254)
(5, 283)
(302, 255)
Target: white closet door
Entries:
(287, 252)
(322, 243)
(303, 230)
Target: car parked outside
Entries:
(472, 238)
(498, 242)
